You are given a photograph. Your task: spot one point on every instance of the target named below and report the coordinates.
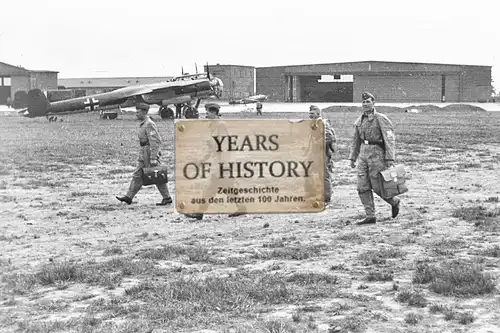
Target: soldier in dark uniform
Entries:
(149, 155)
(330, 142)
(373, 146)
(191, 112)
(178, 109)
(259, 108)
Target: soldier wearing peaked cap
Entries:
(142, 106)
(373, 146)
(213, 110)
(149, 155)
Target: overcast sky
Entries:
(105, 38)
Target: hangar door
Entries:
(411, 88)
(313, 89)
(4, 89)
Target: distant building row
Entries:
(334, 82)
(344, 82)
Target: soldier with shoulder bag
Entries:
(149, 170)
(373, 146)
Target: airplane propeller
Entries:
(208, 72)
(219, 82)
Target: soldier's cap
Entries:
(313, 107)
(142, 106)
(212, 107)
(367, 95)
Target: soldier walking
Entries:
(373, 146)
(330, 141)
(149, 155)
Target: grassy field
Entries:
(74, 259)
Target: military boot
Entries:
(125, 199)
(167, 199)
(236, 214)
(394, 202)
(197, 216)
(368, 220)
(395, 207)
(164, 201)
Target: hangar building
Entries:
(15, 79)
(239, 81)
(388, 81)
(335, 82)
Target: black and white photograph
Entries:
(352, 184)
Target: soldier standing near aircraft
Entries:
(178, 110)
(259, 108)
(374, 144)
(330, 141)
(149, 155)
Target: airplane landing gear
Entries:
(191, 113)
(109, 115)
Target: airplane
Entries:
(248, 100)
(180, 90)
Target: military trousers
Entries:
(136, 183)
(328, 180)
(370, 163)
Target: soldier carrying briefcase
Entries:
(373, 146)
(149, 156)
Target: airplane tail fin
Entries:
(38, 104)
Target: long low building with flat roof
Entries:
(388, 81)
(99, 85)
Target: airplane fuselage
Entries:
(163, 93)
(88, 103)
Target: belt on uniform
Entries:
(378, 143)
(144, 143)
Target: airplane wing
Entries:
(131, 91)
(170, 91)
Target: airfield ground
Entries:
(74, 259)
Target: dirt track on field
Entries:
(68, 212)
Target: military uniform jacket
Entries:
(330, 138)
(375, 127)
(150, 141)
